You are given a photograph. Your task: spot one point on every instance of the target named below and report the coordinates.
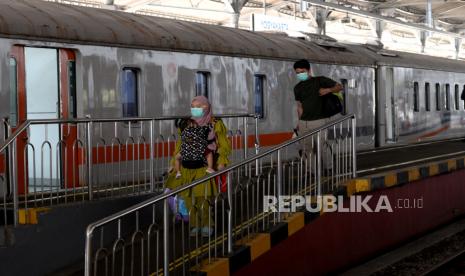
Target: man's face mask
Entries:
(302, 76)
(196, 112)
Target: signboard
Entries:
(261, 22)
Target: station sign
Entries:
(261, 22)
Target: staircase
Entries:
(148, 238)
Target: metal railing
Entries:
(58, 161)
(160, 236)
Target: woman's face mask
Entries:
(302, 76)
(196, 112)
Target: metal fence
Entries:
(176, 232)
(49, 162)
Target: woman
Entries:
(196, 197)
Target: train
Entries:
(63, 62)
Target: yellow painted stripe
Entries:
(260, 244)
(219, 267)
(390, 180)
(452, 165)
(327, 205)
(433, 169)
(30, 215)
(295, 223)
(358, 185)
(413, 174)
(23, 216)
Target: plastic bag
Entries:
(178, 206)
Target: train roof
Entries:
(48, 21)
(40, 20)
(410, 60)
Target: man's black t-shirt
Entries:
(308, 93)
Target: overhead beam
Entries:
(235, 5)
(269, 7)
(229, 5)
(340, 8)
(439, 11)
(399, 3)
(136, 5)
(404, 3)
(189, 8)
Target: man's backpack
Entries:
(332, 105)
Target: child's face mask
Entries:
(196, 112)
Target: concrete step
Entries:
(57, 240)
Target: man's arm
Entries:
(337, 88)
(300, 109)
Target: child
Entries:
(197, 147)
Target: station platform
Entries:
(375, 161)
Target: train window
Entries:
(202, 83)
(129, 97)
(13, 92)
(447, 97)
(259, 95)
(72, 88)
(463, 91)
(457, 97)
(416, 97)
(438, 96)
(427, 97)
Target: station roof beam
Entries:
(235, 6)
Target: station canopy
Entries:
(435, 27)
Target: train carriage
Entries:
(61, 61)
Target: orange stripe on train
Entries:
(108, 154)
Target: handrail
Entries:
(21, 130)
(161, 197)
(15, 135)
(228, 230)
(23, 126)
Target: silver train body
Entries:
(381, 87)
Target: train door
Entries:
(391, 128)
(69, 147)
(42, 102)
(41, 91)
(17, 75)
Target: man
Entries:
(308, 95)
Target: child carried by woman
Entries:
(198, 144)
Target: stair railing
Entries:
(174, 231)
(58, 161)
